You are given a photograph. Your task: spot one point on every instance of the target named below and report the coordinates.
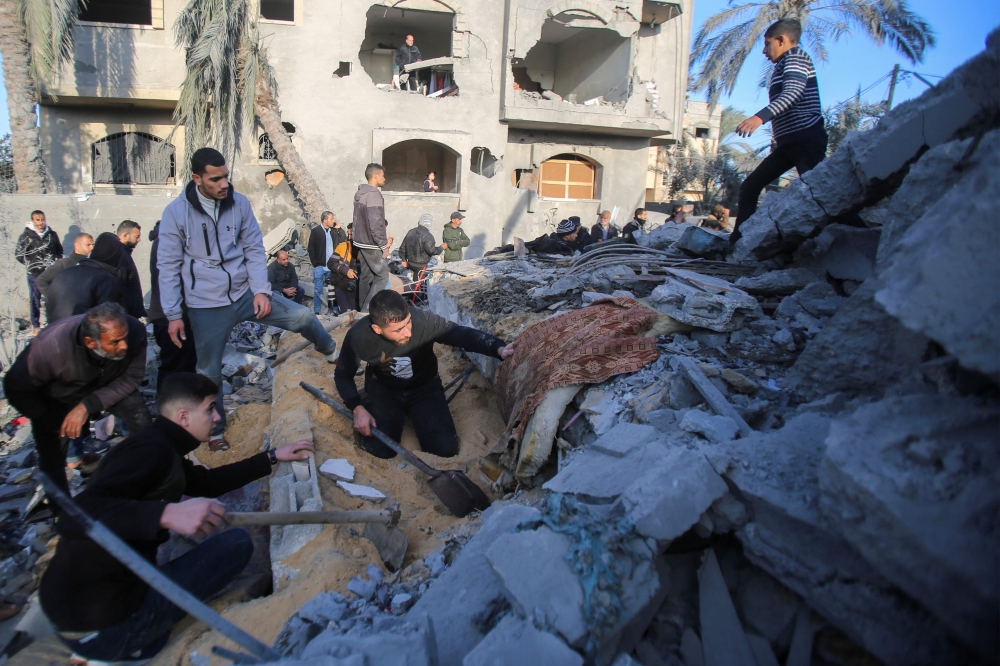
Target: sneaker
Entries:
(332, 356)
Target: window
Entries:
(132, 158)
(386, 30)
(278, 10)
(701, 132)
(483, 162)
(567, 177)
(265, 149)
(136, 12)
(407, 164)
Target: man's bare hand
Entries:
(405, 264)
(261, 305)
(748, 126)
(74, 421)
(351, 274)
(363, 421)
(176, 331)
(506, 351)
(196, 517)
(294, 451)
(290, 292)
(444, 246)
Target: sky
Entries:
(960, 27)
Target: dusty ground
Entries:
(330, 560)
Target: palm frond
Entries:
(49, 26)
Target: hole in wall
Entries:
(701, 132)
(386, 30)
(343, 70)
(483, 162)
(274, 177)
(289, 128)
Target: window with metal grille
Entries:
(133, 158)
(567, 177)
(265, 149)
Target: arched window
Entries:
(567, 177)
(265, 149)
(407, 164)
(132, 158)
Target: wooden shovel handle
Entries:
(385, 516)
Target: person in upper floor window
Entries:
(429, 185)
(38, 247)
(794, 112)
(406, 54)
(603, 230)
(129, 233)
(283, 278)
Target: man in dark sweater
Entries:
(283, 278)
(638, 223)
(401, 378)
(371, 242)
(419, 246)
(323, 240)
(129, 233)
(83, 245)
(407, 54)
(103, 611)
(75, 368)
(93, 281)
(38, 247)
(173, 359)
(794, 112)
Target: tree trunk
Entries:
(303, 184)
(22, 96)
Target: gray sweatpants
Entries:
(373, 278)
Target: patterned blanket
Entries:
(585, 346)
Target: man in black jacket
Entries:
(603, 230)
(638, 223)
(83, 245)
(93, 281)
(129, 233)
(419, 246)
(401, 378)
(323, 240)
(370, 239)
(77, 367)
(283, 278)
(38, 247)
(407, 54)
(103, 611)
(172, 358)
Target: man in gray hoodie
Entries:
(211, 259)
(370, 239)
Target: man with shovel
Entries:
(401, 378)
(104, 612)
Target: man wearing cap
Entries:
(583, 237)
(454, 238)
(419, 246)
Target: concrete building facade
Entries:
(529, 110)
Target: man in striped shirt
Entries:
(795, 114)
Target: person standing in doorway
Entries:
(38, 247)
(281, 274)
(429, 185)
(603, 230)
(794, 112)
(370, 239)
(323, 240)
(454, 238)
(129, 233)
(407, 54)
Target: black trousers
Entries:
(172, 358)
(47, 417)
(428, 411)
(803, 155)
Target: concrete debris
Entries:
(713, 428)
(338, 468)
(699, 242)
(663, 236)
(515, 642)
(361, 492)
(723, 640)
(703, 301)
(777, 283)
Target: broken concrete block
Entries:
(834, 184)
(762, 653)
(602, 408)
(400, 603)
(624, 438)
(710, 338)
(361, 587)
(534, 573)
(560, 287)
(588, 297)
(778, 283)
(795, 213)
(683, 394)
(664, 235)
(759, 238)
(723, 640)
(829, 404)
(700, 242)
(390, 642)
(361, 492)
(861, 350)
(819, 299)
(740, 383)
(599, 478)
(907, 481)
(300, 471)
(851, 255)
(766, 606)
(338, 468)
(665, 503)
(930, 279)
(702, 301)
(515, 641)
(467, 596)
(603, 279)
(713, 427)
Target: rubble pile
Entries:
(808, 472)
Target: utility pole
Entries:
(892, 86)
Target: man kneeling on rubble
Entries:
(401, 379)
(101, 609)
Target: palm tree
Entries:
(726, 39)
(854, 115)
(36, 38)
(229, 83)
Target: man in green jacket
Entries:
(454, 237)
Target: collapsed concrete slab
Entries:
(515, 642)
(778, 283)
(913, 483)
(702, 301)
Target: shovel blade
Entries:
(458, 493)
(390, 542)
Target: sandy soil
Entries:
(330, 560)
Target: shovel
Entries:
(380, 527)
(455, 490)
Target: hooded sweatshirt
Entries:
(37, 250)
(204, 263)
(369, 219)
(85, 588)
(419, 245)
